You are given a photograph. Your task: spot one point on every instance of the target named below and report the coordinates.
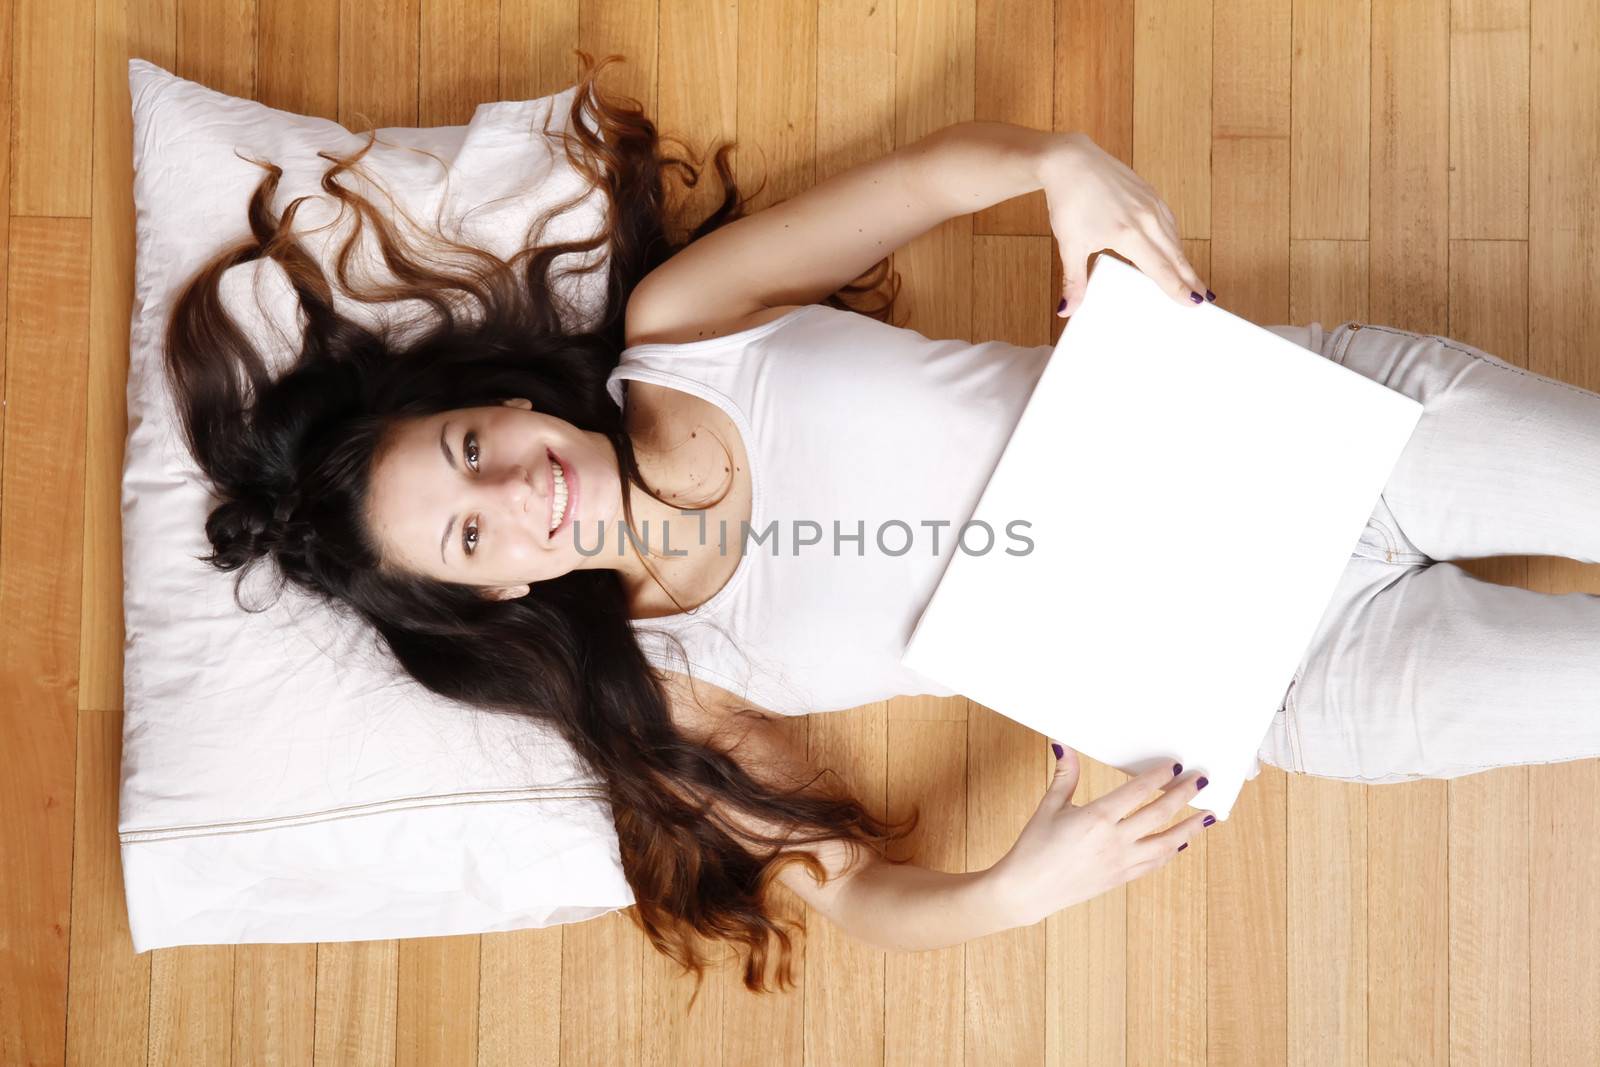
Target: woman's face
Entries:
(469, 495)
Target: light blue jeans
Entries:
(1417, 669)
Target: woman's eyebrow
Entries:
(444, 446)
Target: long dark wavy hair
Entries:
(290, 457)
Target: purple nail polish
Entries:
(1061, 306)
(1059, 750)
(1177, 769)
(1210, 295)
(1200, 783)
(1183, 846)
(1208, 820)
(1196, 297)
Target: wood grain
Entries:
(1172, 108)
(47, 340)
(1330, 141)
(1563, 320)
(108, 993)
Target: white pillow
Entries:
(282, 779)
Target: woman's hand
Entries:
(1069, 853)
(1097, 202)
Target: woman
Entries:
(470, 492)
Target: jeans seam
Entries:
(1448, 343)
(1293, 729)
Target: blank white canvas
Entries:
(1194, 486)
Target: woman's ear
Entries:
(519, 402)
(507, 592)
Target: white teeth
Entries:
(559, 511)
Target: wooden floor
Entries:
(1431, 164)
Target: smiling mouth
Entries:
(558, 495)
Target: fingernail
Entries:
(1196, 297)
(1200, 783)
(1208, 820)
(1059, 751)
(1061, 306)
(1210, 295)
(1183, 846)
(1177, 769)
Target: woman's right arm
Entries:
(1067, 853)
(890, 905)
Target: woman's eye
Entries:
(469, 536)
(469, 448)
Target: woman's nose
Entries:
(512, 486)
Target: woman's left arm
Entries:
(803, 249)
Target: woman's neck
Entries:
(678, 534)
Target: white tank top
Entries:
(851, 426)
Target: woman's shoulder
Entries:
(648, 322)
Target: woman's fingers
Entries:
(1167, 242)
(1075, 279)
(1171, 244)
(1152, 817)
(1160, 847)
(1154, 261)
(1137, 791)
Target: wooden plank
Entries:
(924, 1019)
(1172, 108)
(1489, 861)
(1014, 63)
(1247, 884)
(7, 102)
(1327, 972)
(52, 113)
(108, 994)
(356, 1001)
(537, 39)
(1250, 161)
(1328, 978)
(1489, 118)
(274, 1004)
(1410, 164)
(777, 88)
(378, 69)
(459, 59)
(298, 57)
(1094, 72)
(436, 1011)
(1328, 282)
(217, 44)
(40, 601)
(191, 1004)
(1330, 140)
(699, 98)
(601, 991)
(1563, 321)
(855, 84)
(519, 998)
